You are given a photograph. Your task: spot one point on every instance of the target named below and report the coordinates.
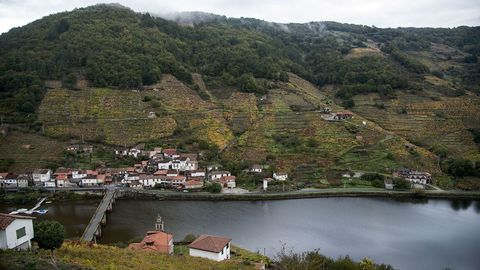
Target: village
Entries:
(167, 169)
(164, 168)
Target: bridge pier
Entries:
(104, 219)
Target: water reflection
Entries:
(460, 204)
(477, 207)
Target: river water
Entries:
(429, 234)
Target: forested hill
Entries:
(245, 91)
(112, 46)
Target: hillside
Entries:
(246, 91)
(82, 256)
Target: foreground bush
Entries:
(49, 234)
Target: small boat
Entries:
(22, 210)
(48, 202)
(41, 211)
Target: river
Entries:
(428, 234)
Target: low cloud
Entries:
(393, 13)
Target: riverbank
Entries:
(305, 194)
(29, 196)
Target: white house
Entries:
(215, 175)
(41, 176)
(121, 152)
(15, 231)
(178, 180)
(152, 180)
(89, 180)
(211, 247)
(164, 165)
(197, 173)
(22, 180)
(10, 181)
(280, 176)
(50, 183)
(134, 152)
(256, 168)
(191, 165)
(78, 174)
(228, 181)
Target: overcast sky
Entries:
(381, 13)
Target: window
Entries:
(21, 233)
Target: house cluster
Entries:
(413, 176)
(164, 167)
(338, 116)
(168, 168)
(11, 180)
(212, 247)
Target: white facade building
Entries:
(79, 174)
(41, 175)
(16, 232)
(216, 175)
(164, 165)
(280, 176)
(211, 247)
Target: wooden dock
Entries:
(99, 218)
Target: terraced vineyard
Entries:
(322, 145)
(30, 151)
(285, 125)
(427, 122)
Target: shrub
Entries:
(400, 183)
(147, 98)
(372, 177)
(214, 188)
(189, 238)
(49, 234)
(459, 167)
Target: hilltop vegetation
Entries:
(82, 256)
(247, 91)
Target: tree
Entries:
(27, 107)
(400, 183)
(70, 81)
(214, 188)
(247, 83)
(367, 264)
(459, 167)
(49, 234)
(283, 76)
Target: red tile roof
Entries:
(61, 177)
(193, 182)
(154, 241)
(210, 243)
(161, 172)
(6, 219)
(170, 151)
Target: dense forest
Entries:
(112, 46)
